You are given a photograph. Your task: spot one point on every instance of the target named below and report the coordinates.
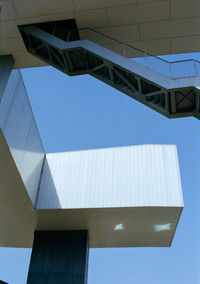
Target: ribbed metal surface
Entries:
(146, 175)
(21, 134)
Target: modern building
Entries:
(64, 203)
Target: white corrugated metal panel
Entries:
(132, 176)
(21, 134)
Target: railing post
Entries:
(104, 41)
(68, 36)
(195, 67)
(54, 30)
(170, 70)
(146, 59)
(86, 34)
(124, 49)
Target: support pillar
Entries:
(6, 65)
(59, 257)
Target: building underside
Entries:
(77, 190)
(157, 26)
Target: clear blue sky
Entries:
(82, 113)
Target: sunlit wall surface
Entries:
(124, 196)
(145, 175)
(20, 131)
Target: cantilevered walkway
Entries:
(170, 88)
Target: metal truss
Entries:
(77, 60)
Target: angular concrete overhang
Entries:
(157, 26)
(126, 196)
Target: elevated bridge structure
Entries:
(171, 88)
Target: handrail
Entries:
(126, 44)
(163, 66)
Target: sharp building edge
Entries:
(137, 188)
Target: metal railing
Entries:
(174, 69)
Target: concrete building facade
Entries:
(115, 197)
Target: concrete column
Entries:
(59, 257)
(6, 65)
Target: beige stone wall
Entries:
(157, 26)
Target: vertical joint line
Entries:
(40, 180)
(139, 86)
